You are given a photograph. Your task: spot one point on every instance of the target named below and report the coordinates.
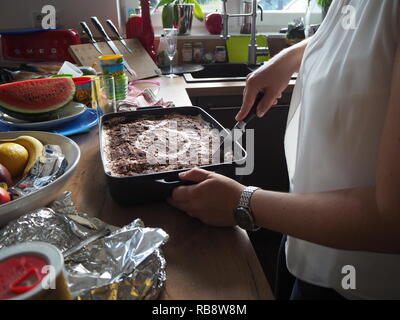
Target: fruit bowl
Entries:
(47, 194)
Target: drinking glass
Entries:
(171, 35)
(104, 93)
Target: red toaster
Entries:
(42, 45)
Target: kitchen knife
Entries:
(90, 35)
(239, 127)
(111, 44)
(115, 30)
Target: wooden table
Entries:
(203, 262)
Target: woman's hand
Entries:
(212, 200)
(271, 79)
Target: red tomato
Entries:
(213, 23)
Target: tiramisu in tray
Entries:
(157, 143)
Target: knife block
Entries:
(139, 60)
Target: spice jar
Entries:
(187, 52)
(198, 52)
(220, 54)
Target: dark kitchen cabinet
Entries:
(269, 159)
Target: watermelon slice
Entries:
(36, 99)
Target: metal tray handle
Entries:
(176, 183)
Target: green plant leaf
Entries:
(324, 3)
(167, 15)
(198, 13)
(164, 2)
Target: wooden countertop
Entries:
(203, 262)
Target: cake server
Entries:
(239, 128)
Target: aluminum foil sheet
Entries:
(46, 169)
(101, 261)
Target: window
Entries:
(206, 5)
(210, 5)
(277, 13)
(285, 5)
(153, 3)
(274, 4)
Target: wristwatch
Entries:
(243, 215)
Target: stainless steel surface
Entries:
(111, 44)
(115, 30)
(220, 72)
(86, 30)
(183, 18)
(254, 50)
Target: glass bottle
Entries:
(147, 36)
(134, 25)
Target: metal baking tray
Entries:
(155, 187)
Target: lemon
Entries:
(14, 157)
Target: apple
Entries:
(5, 176)
(213, 23)
(4, 196)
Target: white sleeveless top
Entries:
(335, 122)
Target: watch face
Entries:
(243, 218)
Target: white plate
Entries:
(67, 113)
(40, 198)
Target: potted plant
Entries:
(179, 14)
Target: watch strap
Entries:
(247, 193)
(246, 213)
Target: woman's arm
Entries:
(355, 219)
(271, 79)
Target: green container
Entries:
(121, 86)
(238, 48)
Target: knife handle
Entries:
(253, 111)
(87, 31)
(114, 29)
(99, 27)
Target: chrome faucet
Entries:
(254, 50)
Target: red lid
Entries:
(82, 80)
(20, 274)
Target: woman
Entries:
(342, 144)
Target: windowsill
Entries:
(201, 35)
(199, 31)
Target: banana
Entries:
(34, 147)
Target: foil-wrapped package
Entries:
(118, 259)
(46, 169)
(101, 261)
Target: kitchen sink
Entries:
(220, 72)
